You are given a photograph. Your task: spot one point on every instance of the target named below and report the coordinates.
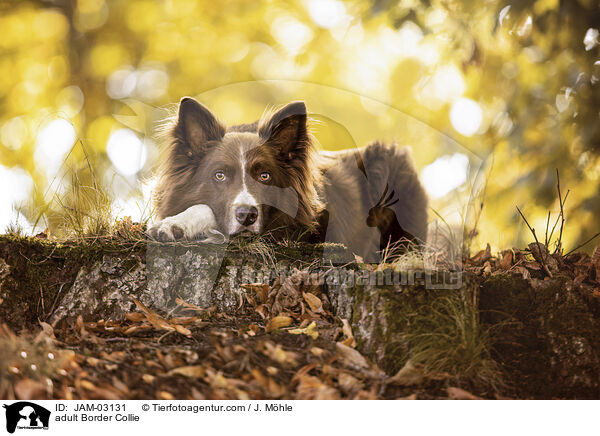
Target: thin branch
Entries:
(585, 243)
(562, 213)
(547, 225)
(557, 219)
(542, 255)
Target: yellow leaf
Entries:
(278, 322)
(311, 331)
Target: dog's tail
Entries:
(389, 168)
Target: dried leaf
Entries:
(410, 374)
(86, 384)
(47, 329)
(157, 321)
(131, 330)
(314, 302)
(278, 322)
(507, 259)
(461, 394)
(347, 331)
(28, 389)
(148, 378)
(182, 330)
(311, 331)
(481, 257)
(351, 357)
(196, 371)
(278, 354)
(349, 383)
(286, 295)
(311, 388)
(261, 290)
(523, 271)
(135, 316)
(164, 395)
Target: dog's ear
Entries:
(286, 129)
(197, 124)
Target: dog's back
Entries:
(374, 199)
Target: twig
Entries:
(585, 243)
(542, 256)
(557, 219)
(562, 213)
(547, 225)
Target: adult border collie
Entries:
(269, 177)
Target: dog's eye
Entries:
(265, 177)
(220, 176)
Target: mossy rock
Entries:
(43, 280)
(382, 305)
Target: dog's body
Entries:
(268, 177)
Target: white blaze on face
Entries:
(243, 198)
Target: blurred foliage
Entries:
(532, 68)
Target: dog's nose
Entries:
(246, 215)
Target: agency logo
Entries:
(26, 415)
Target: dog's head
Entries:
(254, 176)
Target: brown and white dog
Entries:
(268, 177)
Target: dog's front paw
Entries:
(196, 222)
(166, 230)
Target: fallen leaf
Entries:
(349, 383)
(135, 316)
(314, 302)
(410, 374)
(278, 322)
(311, 331)
(131, 330)
(28, 389)
(461, 394)
(409, 397)
(182, 330)
(481, 257)
(261, 290)
(351, 356)
(278, 354)
(157, 321)
(507, 259)
(195, 371)
(286, 294)
(148, 378)
(164, 395)
(311, 388)
(88, 385)
(347, 331)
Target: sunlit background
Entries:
(493, 97)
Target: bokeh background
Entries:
(493, 97)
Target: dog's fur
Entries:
(366, 198)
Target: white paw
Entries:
(196, 222)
